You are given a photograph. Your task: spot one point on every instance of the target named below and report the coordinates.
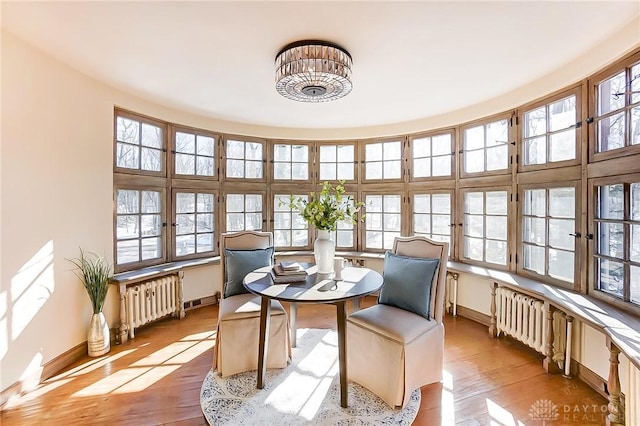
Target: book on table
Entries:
(289, 278)
(290, 265)
(279, 270)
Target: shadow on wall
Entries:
(21, 350)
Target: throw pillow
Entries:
(407, 283)
(238, 263)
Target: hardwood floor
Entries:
(156, 379)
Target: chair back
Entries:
(243, 240)
(419, 246)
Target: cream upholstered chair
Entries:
(390, 350)
(236, 348)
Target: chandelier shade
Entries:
(313, 71)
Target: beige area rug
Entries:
(307, 392)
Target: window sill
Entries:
(141, 274)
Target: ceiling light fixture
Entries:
(313, 71)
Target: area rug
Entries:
(307, 392)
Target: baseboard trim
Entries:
(48, 370)
(473, 315)
(199, 303)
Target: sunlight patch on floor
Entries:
(447, 403)
(303, 391)
(501, 416)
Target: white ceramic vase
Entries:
(98, 338)
(324, 249)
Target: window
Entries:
(337, 162)
(345, 233)
(617, 114)
(244, 212)
(549, 132)
(383, 160)
(194, 223)
(617, 245)
(289, 228)
(290, 162)
(382, 220)
(486, 147)
(431, 156)
(244, 159)
(194, 154)
(139, 226)
(139, 144)
(485, 226)
(549, 232)
(432, 216)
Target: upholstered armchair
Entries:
(397, 346)
(236, 348)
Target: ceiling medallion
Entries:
(313, 71)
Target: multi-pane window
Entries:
(290, 162)
(485, 226)
(383, 160)
(617, 118)
(548, 232)
(194, 223)
(243, 212)
(486, 147)
(549, 132)
(432, 216)
(244, 159)
(337, 162)
(194, 154)
(139, 225)
(431, 156)
(345, 229)
(289, 228)
(139, 145)
(618, 240)
(382, 220)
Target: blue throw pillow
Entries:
(238, 263)
(407, 283)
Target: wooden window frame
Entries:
(143, 119)
(403, 215)
(520, 269)
(461, 234)
(511, 138)
(546, 101)
(245, 139)
(452, 210)
(163, 234)
(272, 162)
(592, 85)
(403, 159)
(244, 192)
(593, 290)
(216, 153)
(287, 191)
(318, 163)
(410, 158)
(216, 221)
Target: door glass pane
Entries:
(534, 258)
(562, 146)
(611, 276)
(561, 265)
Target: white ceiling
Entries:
(411, 60)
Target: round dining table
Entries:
(316, 288)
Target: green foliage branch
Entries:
(326, 209)
(95, 273)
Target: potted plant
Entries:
(323, 211)
(95, 273)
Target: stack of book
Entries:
(288, 272)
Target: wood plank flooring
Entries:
(156, 379)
